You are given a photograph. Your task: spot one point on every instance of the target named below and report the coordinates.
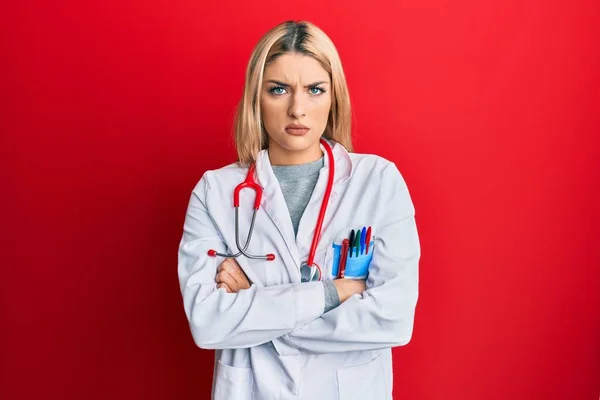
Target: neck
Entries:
(281, 156)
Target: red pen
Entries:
(343, 255)
(368, 239)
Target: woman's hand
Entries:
(231, 277)
(349, 287)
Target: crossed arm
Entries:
(291, 315)
(232, 278)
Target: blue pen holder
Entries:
(357, 267)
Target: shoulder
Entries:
(228, 175)
(367, 166)
(369, 161)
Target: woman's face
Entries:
(296, 92)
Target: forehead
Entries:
(296, 67)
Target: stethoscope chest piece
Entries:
(309, 274)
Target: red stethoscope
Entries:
(309, 270)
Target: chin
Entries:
(296, 143)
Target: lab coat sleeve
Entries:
(220, 320)
(383, 315)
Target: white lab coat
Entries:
(273, 340)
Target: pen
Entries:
(351, 241)
(363, 242)
(368, 239)
(357, 242)
(343, 255)
(339, 264)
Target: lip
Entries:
(297, 129)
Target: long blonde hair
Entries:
(290, 37)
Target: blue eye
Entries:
(318, 89)
(277, 90)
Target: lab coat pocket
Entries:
(365, 381)
(357, 266)
(233, 383)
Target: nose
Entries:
(297, 107)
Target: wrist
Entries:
(332, 297)
(339, 285)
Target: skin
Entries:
(305, 100)
(296, 89)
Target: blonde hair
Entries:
(304, 38)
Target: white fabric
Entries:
(273, 340)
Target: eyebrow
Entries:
(287, 85)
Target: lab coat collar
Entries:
(343, 165)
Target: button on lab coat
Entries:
(273, 340)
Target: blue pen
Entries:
(351, 240)
(363, 242)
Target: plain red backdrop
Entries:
(111, 111)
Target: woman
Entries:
(284, 323)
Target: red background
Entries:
(111, 111)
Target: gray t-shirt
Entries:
(297, 183)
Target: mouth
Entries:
(297, 129)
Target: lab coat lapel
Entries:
(343, 164)
(306, 228)
(274, 203)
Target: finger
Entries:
(229, 264)
(220, 267)
(238, 275)
(224, 285)
(236, 272)
(225, 277)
